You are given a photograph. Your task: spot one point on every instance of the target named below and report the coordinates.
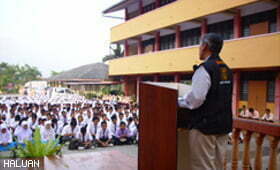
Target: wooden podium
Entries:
(161, 138)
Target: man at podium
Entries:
(209, 102)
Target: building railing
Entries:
(259, 130)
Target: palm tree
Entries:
(117, 52)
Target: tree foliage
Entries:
(117, 52)
(12, 76)
(54, 73)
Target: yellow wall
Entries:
(177, 12)
(253, 52)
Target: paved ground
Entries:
(132, 150)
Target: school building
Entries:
(161, 41)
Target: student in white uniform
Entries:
(268, 116)
(93, 127)
(48, 132)
(23, 133)
(103, 136)
(85, 138)
(70, 131)
(6, 141)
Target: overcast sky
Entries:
(54, 34)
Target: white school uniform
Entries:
(5, 137)
(103, 134)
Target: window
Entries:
(166, 78)
(190, 37)
(149, 7)
(270, 91)
(167, 42)
(132, 14)
(269, 16)
(244, 90)
(164, 2)
(148, 45)
(225, 29)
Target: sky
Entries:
(55, 35)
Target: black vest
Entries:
(214, 116)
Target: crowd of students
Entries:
(252, 113)
(76, 121)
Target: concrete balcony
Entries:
(245, 53)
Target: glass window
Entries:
(225, 29)
(167, 42)
(164, 2)
(269, 16)
(244, 90)
(190, 37)
(149, 7)
(147, 45)
(270, 91)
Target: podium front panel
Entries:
(158, 128)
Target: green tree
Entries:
(54, 73)
(117, 52)
(12, 76)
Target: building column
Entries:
(156, 78)
(204, 28)
(126, 14)
(141, 6)
(178, 36)
(278, 18)
(177, 78)
(126, 86)
(157, 41)
(138, 80)
(237, 25)
(139, 46)
(126, 48)
(277, 97)
(236, 93)
(157, 3)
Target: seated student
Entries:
(268, 116)
(85, 138)
(69, 131)
(6, 142)
(103, 136)
(244, 112)
(93, 127)
(253, 114)
(114, 127)
(23, 133)
(123, 135)
(48, 132)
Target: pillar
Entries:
(141, 7)
(236, 93)
(204, 28)
(139, 46)
(178, 36)
(157, 3)
(278, 18)
(177, 78)
(126, 48)
(126, 14)
(138, 80)
(237, 25)
(157, 41)
(277, 97)
(126, 86)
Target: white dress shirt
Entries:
(201, 83)
(103, 134)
